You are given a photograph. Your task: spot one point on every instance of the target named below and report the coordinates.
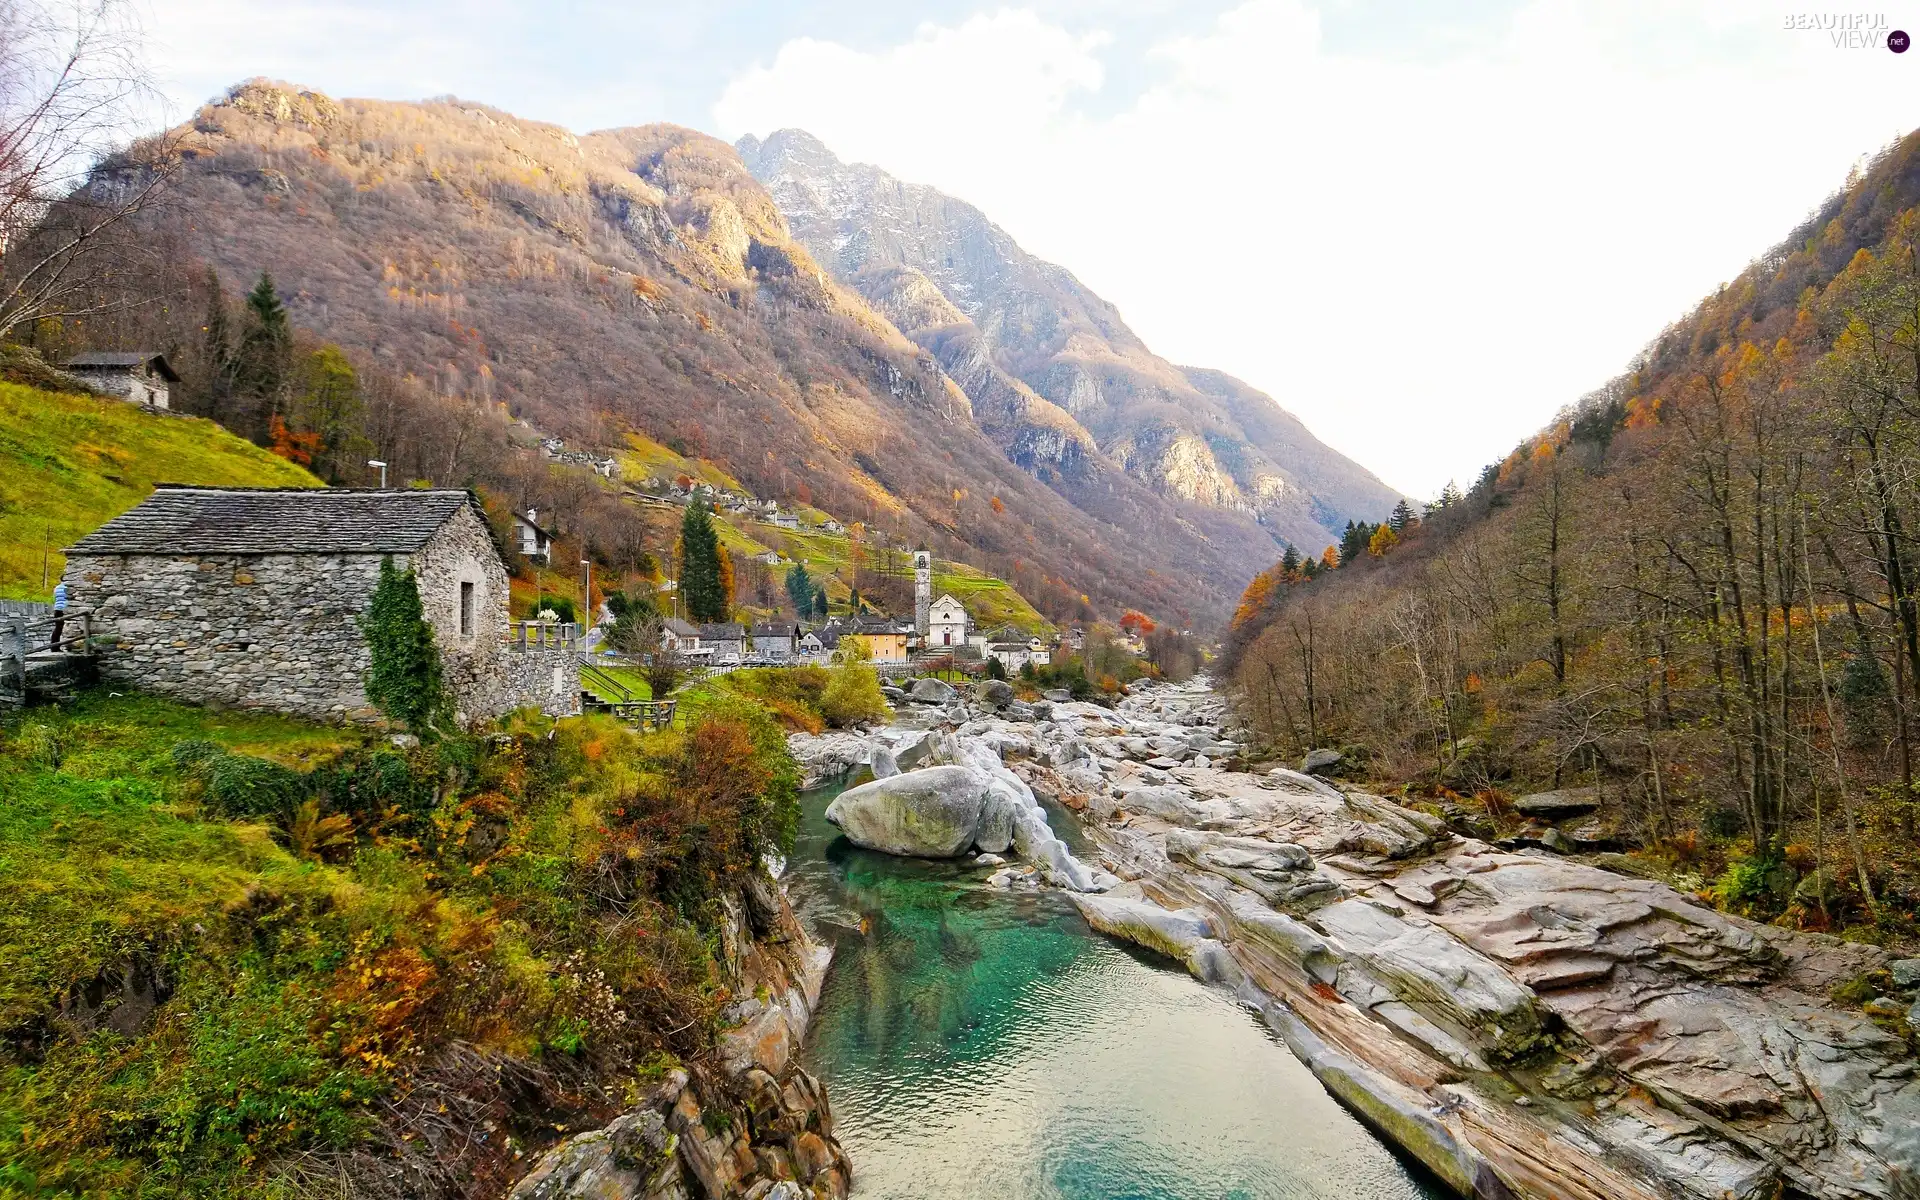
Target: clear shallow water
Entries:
(978, 1044)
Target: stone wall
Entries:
(273, 632)
(496, 681)
(282, 632)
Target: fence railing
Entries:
(524, 635)
(23, 638)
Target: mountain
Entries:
(641, 280)
(1067, 376)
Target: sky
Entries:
(1423, 228)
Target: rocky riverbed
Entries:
(1525, 1023)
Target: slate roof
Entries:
(724, 632)
(179, 519)
(681, 629)
(122, 359)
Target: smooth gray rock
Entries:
(994, 832)
(884, 764)
(931, 813)
(996, 693)
(1319, 762)
(914, 750)
(933, 691)
(1905, 972)
(1058, 695)
(1558, 805)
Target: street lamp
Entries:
(586, 601)
(374, 462)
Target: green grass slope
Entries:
(68, 464)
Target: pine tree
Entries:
(701, 585)
(263, 360)
(216, 346)
(800, 589)
(1290, 561)
(820, 603)
(1401, 517)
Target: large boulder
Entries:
(996, 693)
(932, 691)
(1321, 762)
(930, 813)
(1558, 805)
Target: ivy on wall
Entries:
(404, 679)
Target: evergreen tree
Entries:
(1290, 561)
(263, 361)
(1401, 517)
(820, 603)
(1353, 542)
(216, 346)
(701, 584)
(800, 589)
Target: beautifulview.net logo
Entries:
(1851, 31)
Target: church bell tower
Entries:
(922, 589)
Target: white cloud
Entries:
(1424, 257)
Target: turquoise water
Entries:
(981, 1044)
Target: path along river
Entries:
(987, 1045)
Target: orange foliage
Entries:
(294, 447)
(1139, 623)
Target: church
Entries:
(941, 624)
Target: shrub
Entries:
(853, 695)
(239, 785)
(996, 669)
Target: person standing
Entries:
(59, 614)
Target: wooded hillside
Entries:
(1694, 591)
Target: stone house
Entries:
(812, 647)
(138, 376)
(775, 640)
(727, 641)
(254, 597)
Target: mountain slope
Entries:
(641, 279)
(1197, 435)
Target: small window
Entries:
(466, 610)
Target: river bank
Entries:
(1524, 1024)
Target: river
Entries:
(986, 1044)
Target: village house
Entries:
(728, 643)
(138, 376)
(775, 640)
(535, 542)
(813, 647)
(832, 526)
(254, 597)
(946, 624)
(1013, 655)
(885, 639)
(679, 637)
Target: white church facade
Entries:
(941, 624)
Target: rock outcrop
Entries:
(1524, 1023)
(750, 1125)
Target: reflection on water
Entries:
(984, 1045)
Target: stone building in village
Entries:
(253, 598)
(138, 376)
